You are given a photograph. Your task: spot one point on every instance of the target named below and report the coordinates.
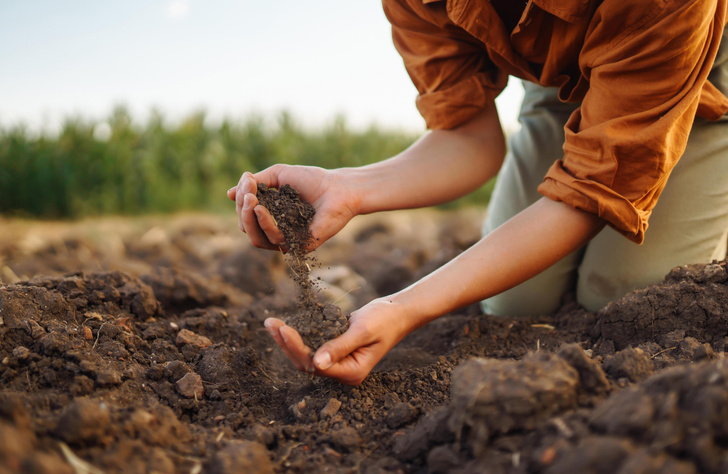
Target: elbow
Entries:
(484, 134)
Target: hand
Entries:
(327, 190)
(373, 331)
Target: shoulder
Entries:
(651, 24)
(639, 13)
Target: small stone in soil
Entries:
(331, 408)
(188, 337)
(190, 386)
(21, 353)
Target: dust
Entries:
(316, 321)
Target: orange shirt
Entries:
(638, 67)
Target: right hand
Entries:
(373, 331)
(327, 190)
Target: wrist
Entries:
(359, 185)
(412, 313)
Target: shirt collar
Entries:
(567, 10)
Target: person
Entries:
(620, 95)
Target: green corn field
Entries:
(157, 167)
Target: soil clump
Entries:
(316, 321)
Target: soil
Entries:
(138, 346)
(316, 321)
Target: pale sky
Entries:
(230, 58)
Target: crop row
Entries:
(118, 166)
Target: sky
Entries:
(230, 58)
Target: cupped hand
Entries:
(327, 190)
(373, 331)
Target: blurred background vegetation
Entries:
(117, 166)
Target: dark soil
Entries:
(316, 321)
(166, 367)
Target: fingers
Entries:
(246, 184)
(273, 325)
(300, 351)
(347, 359)
(269, 227)
(244, 187)
(337, 349)
(290, 342)
(249, 222)
(254, 219)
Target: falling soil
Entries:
(315, 321)
(138, 346)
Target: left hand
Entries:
(331, 192)
(373, 331)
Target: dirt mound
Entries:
(169, 372)
(692, 301)
(178, 290)
(559, 413)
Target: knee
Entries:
(595, 290)
(521, 303)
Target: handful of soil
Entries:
(316, 322)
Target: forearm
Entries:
(521, 248)
(441, 166)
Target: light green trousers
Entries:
(688, 225)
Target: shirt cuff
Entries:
(448, 108)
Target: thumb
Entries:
(270, 176)
(333, 351)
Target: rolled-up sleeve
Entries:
(647, 63)
(451, 70)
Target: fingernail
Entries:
(323, 361)
(246, 202)
(228, 191)
(267, 323)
